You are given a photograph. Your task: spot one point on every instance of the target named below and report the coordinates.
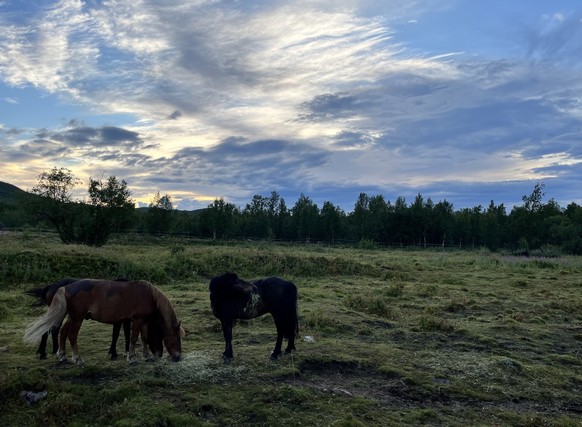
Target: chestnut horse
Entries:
(232, 298)
(109, 301)
(45, 295)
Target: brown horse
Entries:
(45, 295)
(108, 301)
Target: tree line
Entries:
(536, 225)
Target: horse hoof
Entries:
(42, 357)
(226, 360)
(80, 362)
(132, 362)
(114, 357)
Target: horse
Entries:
(109, 301)
(45, 295)
(232, 298)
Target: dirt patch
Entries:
(350, 378)
(353, 379)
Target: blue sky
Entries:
(462, 100)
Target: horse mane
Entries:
(165, 307)
(220, 284)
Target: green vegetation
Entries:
(534, 229)
(387, 337)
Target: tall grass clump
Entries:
(376, 305)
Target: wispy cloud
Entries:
(241, 97)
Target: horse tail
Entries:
(39, 294)
(51, 319)
(296, 315)
(293, 312)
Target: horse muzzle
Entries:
(176, 357)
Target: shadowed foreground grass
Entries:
(387, 338)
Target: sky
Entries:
(460, 100)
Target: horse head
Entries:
(173, 342)
(220, 284)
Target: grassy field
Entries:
(387, 337)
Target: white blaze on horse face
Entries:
(253, 307)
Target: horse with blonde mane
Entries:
(109, 301)
(44, 296)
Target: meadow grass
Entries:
(387, 337)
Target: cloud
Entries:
(14, 131)
(558, 38)
(329, 107)
(223, 98)
(44, 148)
(98, 137)
(355, 139)
(175, 115)
(252, 165)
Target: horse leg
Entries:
(42, 347)
(62, 351)
(135, 330)
(55, 336)
(73, 334)
(127, 333)
(291, 330)
(277, 350)
(144, 342)
(227, 332)
(114, 337)
(44, 341)
(290, 342)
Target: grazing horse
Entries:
(109, 301)
(232, 298)
(45, 296)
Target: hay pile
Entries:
(196, 366)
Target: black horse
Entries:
(45, 296)
(232, 298)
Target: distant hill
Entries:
(9, 193)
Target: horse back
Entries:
(277, 294)
(280, 298)
(52, 289)
(110, 301)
